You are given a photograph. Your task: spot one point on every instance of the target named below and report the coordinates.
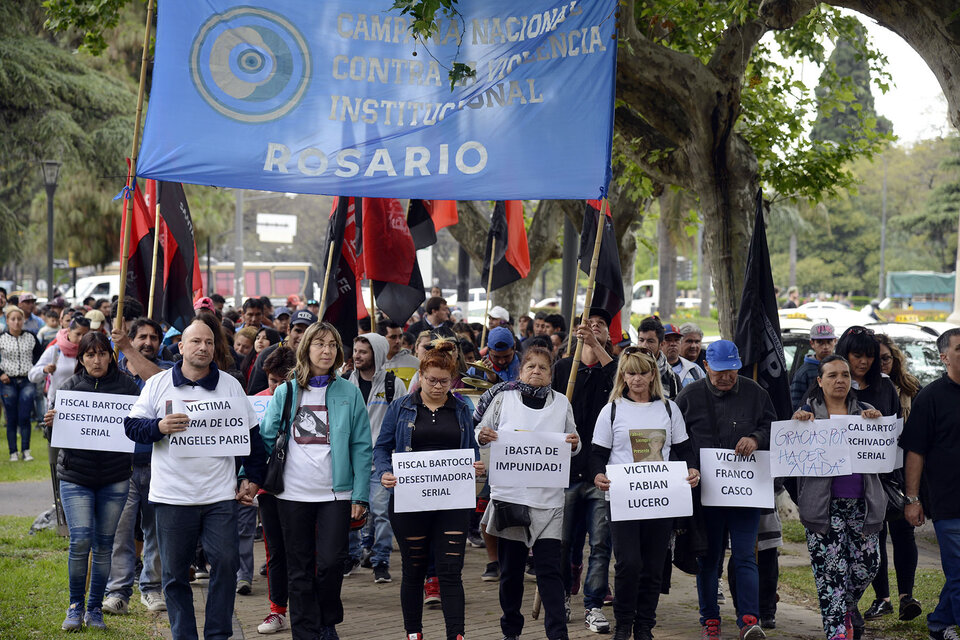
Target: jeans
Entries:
(947, 612)
(547, 553)
(124, 562)
(246, 530)
(179, 527)
(640, 547)
(584, 502)
(92, 515)
(377, 534)
(768, 567)
(904, 558)
(444, 533)
(18, 397)
(742, 523)
(315, 535)
(276, 553)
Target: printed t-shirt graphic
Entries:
(310, 425)
(647, 444)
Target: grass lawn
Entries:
(33, 588)
(38, 469)
(798, 582)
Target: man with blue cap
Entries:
(501, 356)
(728, 411)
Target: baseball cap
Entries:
(96, 318)
(500, 339)
(499, 313)
(722, 355)
(27, 297)
(601, 312)
(204, 303)
(671, 330)
(822, 331)
(303, 317)
(282, 311)
(293, 300)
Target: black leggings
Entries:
(904, 558)
(639, 547)
(446, 532)
(546, 560)
(276, 552)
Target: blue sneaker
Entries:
(94, 619)
(74, 619)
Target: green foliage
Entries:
(424, 25)
(92, 17)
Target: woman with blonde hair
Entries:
(639, 424)
(326, 478)
(525, 518)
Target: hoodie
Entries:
(668, 379)
(377, 400)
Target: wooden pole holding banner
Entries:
(573, 314)
(373, 310)
(153, 268)
(493, 253)
(589, 298)
(131, 177)
(326, 282)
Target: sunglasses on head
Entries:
(81, 321)
(634, 350)
(856, 331)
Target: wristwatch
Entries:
(911, 499)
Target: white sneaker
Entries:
(14, 457)
(273, 623)
(153, 601)
(26, 456)
(115, 605)
(596, 621)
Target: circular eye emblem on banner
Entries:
(250, 64)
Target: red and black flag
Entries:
(426, 217)
(140, 250)
(390, 259)
(511, 260)
(181, 264)
(608, 286)
(758, 323)
(344, 304)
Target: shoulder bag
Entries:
(273, 481)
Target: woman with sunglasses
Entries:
(639, 424)
(93, 486)
(842, 515)
(894, 365)
(19, 350)
(326, 478)
(430, 418)
(529, 404)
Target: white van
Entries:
(102, 286)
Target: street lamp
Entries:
(51, 174)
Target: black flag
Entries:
(346, 270)
(608, 286)
(758, 325)
(181, 266)
(511, 261)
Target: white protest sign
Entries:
(873, 443)
(648, 490)
(530, 459)
(85, 420)
(731, 480)
(434, 481)
(218, 427)
(811, 448)
(259, 405)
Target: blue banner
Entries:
(336, 97)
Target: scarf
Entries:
(318, 381)
(66, 347)
(515, 385)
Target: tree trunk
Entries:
(705, 273)
(670, 204)
(793, 258)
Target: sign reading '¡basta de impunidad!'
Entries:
(530, 459)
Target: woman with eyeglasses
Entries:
(639, 424)
(894, 365)
(529, 404)
(93, 487)
(842, 515)
(19, 350)
(326, 477)
(430, 418)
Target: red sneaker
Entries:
(431, 591)
(751, 629)
(710, 630)
(414, 636)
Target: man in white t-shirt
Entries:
(195, 497)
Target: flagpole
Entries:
(589, 298)
(131, 178)
(326, 281)
(153, 268)
(573, 314)
(493, 253)
(373, 310)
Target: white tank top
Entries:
(515, 416)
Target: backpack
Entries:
(613, 412)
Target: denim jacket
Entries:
(396, 431)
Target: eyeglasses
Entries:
(436, 382)
(886, 358)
